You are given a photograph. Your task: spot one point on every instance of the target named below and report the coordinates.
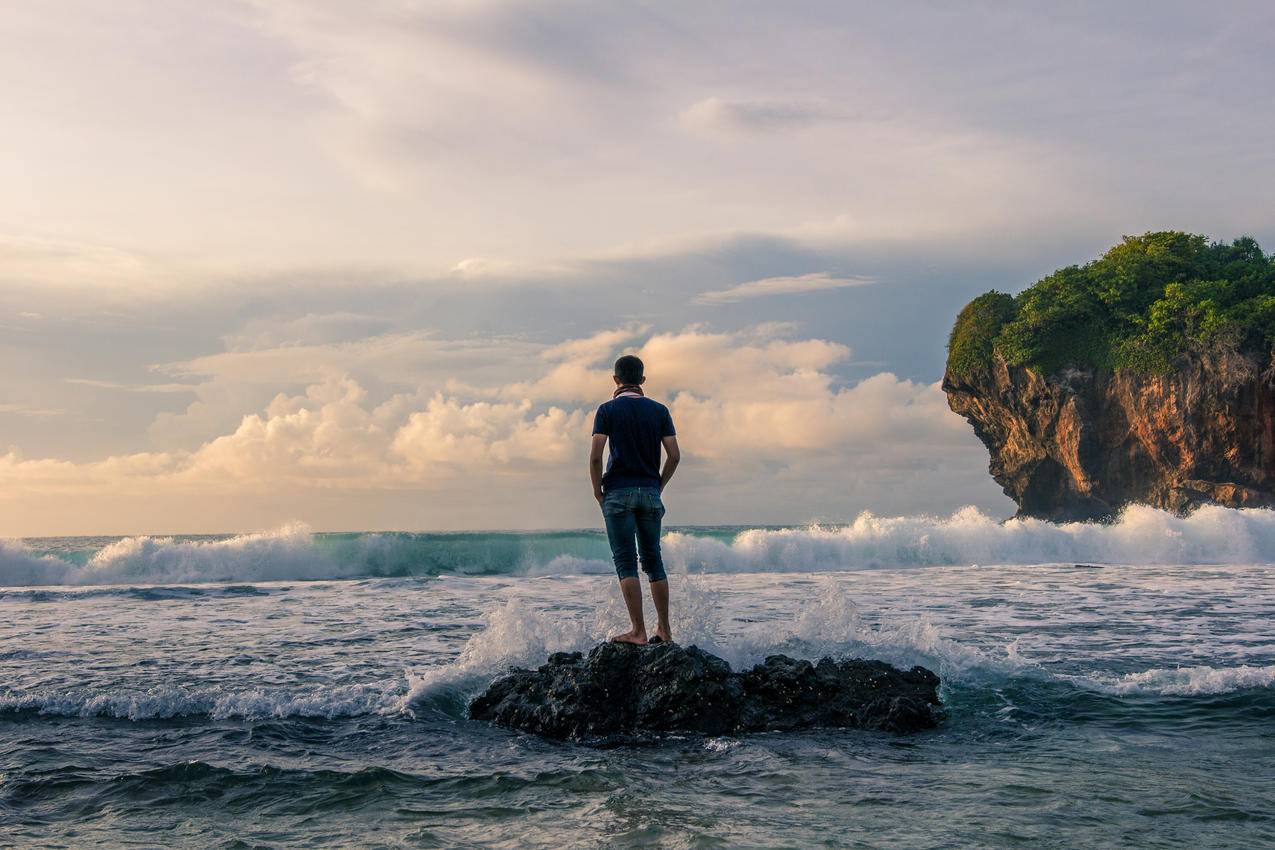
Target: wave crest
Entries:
(1190, 681)
(1142, 535)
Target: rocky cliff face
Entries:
(1084, 443)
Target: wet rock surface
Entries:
(619, 690)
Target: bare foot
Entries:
(665, 634)
(633, 636)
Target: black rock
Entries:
(621, 689)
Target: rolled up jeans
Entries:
(633, 514)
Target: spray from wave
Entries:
(517, 633)
(1142, 535)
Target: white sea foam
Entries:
(20, 567)
(513, 634)
(1142, 535)
(287, 553)
(217, 703)
(517, 633)
(831, 623)
(1189, 681)
(571, 565)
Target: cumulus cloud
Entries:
(488, 437)
(790, 285)
(755, 408)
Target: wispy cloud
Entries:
(816, 282)
(759, 114)
(134, 388)
(27, 410)
(52, 262)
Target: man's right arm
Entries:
(595, 464)
(674, 457)
(601, 430)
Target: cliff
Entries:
(1084, 442)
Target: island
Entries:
(1145, 376)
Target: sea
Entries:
(1103, 686)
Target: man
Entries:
(629, 491)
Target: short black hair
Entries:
(629, 369)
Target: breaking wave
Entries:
(1189, 681)
(166, 703)
(1142, 535)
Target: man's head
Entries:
(629, 370)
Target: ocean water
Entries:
(1103, 686)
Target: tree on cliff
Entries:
(1140, 306)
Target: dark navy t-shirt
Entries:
(634, 427)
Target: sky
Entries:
(366, 265)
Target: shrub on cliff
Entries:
(1142, 304)
(969, 347)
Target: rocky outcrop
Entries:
(1084, 443)
(620, 690)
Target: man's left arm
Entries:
(674, 457)
(668, 436)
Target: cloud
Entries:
(262, 332)
(815, 282)
(503, 440)
(695, 360)
(759, 115)
(30, 410)
(133, 388)
(764, 424)
(472, 167)
(60, 262)
(416, 135)
(408, 357)
(486, 268)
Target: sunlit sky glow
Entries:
(365, 265)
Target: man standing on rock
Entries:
(629, 491)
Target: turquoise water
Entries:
(295, 704)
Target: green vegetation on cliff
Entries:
(1141, 305)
